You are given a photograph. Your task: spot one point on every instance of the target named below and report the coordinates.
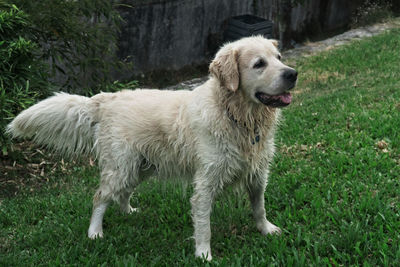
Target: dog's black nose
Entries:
(290, 75)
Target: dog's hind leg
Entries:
(256, 190)
(111, 185)
(138, 172)
(116, 184)
(100, 204)
(110, 178)
(124, 202)
(109, 190)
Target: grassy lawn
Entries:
(334, 187)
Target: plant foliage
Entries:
(78, 39)
(373, 11)
(22, 74)
(68, 44)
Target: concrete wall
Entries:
(176, 33)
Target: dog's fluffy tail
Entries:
(64, 122)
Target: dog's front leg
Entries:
(202, 200)
(256, 193)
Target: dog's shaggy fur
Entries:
(221, 133)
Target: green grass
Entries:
(334, 187)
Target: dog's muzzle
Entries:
(289, 79)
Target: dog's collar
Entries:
(243, 125)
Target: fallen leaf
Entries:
(303, 148)
(382, 144)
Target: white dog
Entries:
(219, 134)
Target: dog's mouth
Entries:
(276, 101)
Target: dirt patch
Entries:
(30, 166)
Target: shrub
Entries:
(22, 73)
(372, 11)
(70, 43)
(78, 40)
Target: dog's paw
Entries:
(129, 209)
(132, 210)
(204, 257)
(94, 235)
(203, 253)
(273, 229)
(268, 228)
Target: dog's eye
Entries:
(279, 57)
(260, 64)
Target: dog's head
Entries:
(254, 65)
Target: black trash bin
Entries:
(247, 25)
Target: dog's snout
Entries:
(290, 75)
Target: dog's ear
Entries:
(225, 68)
(275, 42)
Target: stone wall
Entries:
(173, 34)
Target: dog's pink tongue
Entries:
(286, 98)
